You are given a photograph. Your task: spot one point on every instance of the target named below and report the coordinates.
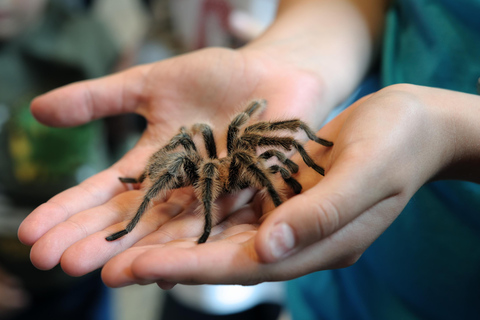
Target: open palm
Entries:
(376, 165)
(206, 86)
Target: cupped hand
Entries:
(206, 86)
(386, 146)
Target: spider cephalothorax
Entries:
(179, 163)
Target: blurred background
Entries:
(45, 44)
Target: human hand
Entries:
(204, 86)
(386, 146)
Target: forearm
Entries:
(335, 40)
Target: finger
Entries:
(367, 167)
(80, 258)
(165, 285)
(48, 250)
(117, 273)
(183, 221)
(233, 259)
(191, 222)
(182, 261)
(92, 192)
(81, 250)
(344, 193)
(85, 101)
(327, 205)
(238, 227)
(240, 222)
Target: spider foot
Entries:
(116, 235)
(294, 184)
(127, 180)
(291, 165)
(318, 169)
(203, 238)
(323, 142)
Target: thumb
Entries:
(84, 101)
(319, 212)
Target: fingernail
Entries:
(282, 240)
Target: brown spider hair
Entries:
(179, 164)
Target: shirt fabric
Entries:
(426, 265)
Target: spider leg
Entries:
(234, 173)
(292, 166)
(256, 140)
(307, 159)
(128, 180)
(209, 187)
(240, 119)
(259, 175)
(237, 180)
(253, 140)
(166, 181)
(287, 177)
(208, 138)
(133, 180)
(291, 125)
(183, 138)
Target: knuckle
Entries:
(326, 218)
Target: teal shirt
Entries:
(426, 265)
(434, 43)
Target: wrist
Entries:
(291, 91)
(452, 134)
(333, 40)
(462, 111)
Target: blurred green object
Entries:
(41, 161)
(37, 162)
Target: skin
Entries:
(389, 143)
(329, 230)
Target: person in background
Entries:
(43, 45)
(391, 238)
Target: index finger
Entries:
(84, 101)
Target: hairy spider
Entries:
(179, 164)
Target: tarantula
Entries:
(179, 164)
